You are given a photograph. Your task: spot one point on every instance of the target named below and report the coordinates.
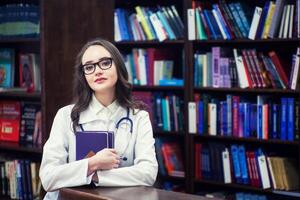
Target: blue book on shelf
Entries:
(164, 114)
(259, 122)
(283, 119)
(236, 163)
(275, 122)
(210, 25)
(171, 82)
(262, 20)
(243, 164)
(200, 118)
(290, 119)
(160, 159)
(166, 25)
(238, 19)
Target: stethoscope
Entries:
(122, 157)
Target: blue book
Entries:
(243, 164)
(275, 122)
(164, 114)
(200, 118)
(209, 23)
(290, 119)
(171, 82)
(238, 19)
(236, 163)
(262, 20)
(259, 122)
(229, 115)
(283, 119)
(253, 119)
(166, 25)
(88, 143)
(160, 159)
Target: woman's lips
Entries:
(100, 80)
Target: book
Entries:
(88, 143)
(7, 67)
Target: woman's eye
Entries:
(89, 67)
(106, 63)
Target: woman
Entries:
(102, 97)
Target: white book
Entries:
(212, 119)
(263, 170)
(243, 82)
(158, 71)
(219, 24)
(142, 67)
(158, 27)
(296, 70)
(205, 72)
(226, 166)
(117, 28)
(255, 22)
(291, 21)
(280, 35)
(128, 68)
(192, 117)
(191, 24)
(286, 22)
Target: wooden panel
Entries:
(66, 26)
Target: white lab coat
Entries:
(59, 167)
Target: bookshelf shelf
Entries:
(168, 133)
(172, 178)
(245, 140)
(34, 40)
(233, 186)
(248, 41)
(157, 88)
(20, 95)
(147, 43)
(13, 146)
(252, 91)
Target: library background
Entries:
(221, 80)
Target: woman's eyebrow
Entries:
(91, 61)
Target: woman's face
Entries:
(100, 80)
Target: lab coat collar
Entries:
(94, 108)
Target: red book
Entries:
(279, 67)
(248, 70)
(250, 169)
(10, 120)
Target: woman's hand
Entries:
(104, 159)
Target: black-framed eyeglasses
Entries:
(103, 63)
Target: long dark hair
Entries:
(82, 93)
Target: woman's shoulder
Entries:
(140, 112)
(66, 110)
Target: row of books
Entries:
(247, 68)
(223, 21)
(169, 156)
(29, 71)
(19, 20)
(231, 20)
(265, 119)
(166, 110)
(236, 164)
(20, 122)
(278, 19)
(160, 23)
(151, 67)
(19, 179)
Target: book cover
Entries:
(7, 66)
(88, 143)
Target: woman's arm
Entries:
(55, 171)
(144, 170)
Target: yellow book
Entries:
(268, 20)
(145, 26)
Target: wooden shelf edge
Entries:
(156, 88)
(254, 140)
(150, 42)
(245, 40)
(240, 90)
(19, 40)
(168, 133)
(234, 186)
(14, 146)
(20, 94)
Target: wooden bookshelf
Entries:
(168, 134)
(275, 41)
(20, 95)
(242, 91)
(230, 139)
(147, 43)
(16, 147)
(157, 88)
